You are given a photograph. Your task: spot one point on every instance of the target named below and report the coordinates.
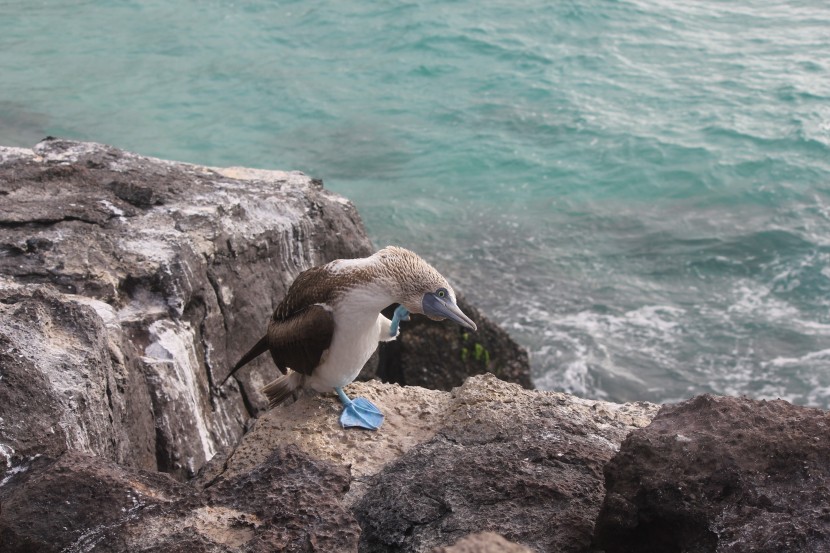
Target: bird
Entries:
(330, 322)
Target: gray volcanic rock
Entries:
(64, 383)
(526, 465)
(442, 355)
(721, 474)
(77, 503)
(131, 285)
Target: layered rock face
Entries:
(129, 287)
(718, 474)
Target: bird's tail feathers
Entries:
(278, 390)
(258, 349)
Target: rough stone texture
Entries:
(721, 474)
(80, 503)
(131, 285)
(485, 542)
(413, 415)
(488, 456)
(63, 384)
(526, 465)
(442, 355)
(128, 288)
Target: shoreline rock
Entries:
(489, 456)
(178, 265)
(721, 474)
(80, 502)
(129, 286)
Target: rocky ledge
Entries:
(490, 456)
(129, 286)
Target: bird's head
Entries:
(422, 289)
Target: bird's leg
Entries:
(359, 412)
(401, 314)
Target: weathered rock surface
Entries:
(64, 383)
(131, 286)
(442, 356)
(721, 474)
(490, 456)
(128, 288)
(80, 503)
(526, 465)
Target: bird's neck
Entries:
(370, 298)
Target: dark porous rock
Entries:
(721, 474)
(526, 465)
(129, 286)
(441, 355)
(77, 503)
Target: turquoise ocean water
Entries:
(638, 190)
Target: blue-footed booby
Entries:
(330, 323)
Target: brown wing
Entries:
(298, 341)
(312, 286)
(299, 331)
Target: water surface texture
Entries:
(638, 190)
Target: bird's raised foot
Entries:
(401, 314)
(361, 413)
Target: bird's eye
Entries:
(442, 293)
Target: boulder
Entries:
(78, 502)
(442, 355)
(129, 286)
(490, 456)
(133, 284)
(718, 474)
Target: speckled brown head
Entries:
(421, 288)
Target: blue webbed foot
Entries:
(359, 412)
(401, 314)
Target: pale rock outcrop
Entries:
(487, 456)
(131, 285)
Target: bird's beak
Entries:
(445, 308)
